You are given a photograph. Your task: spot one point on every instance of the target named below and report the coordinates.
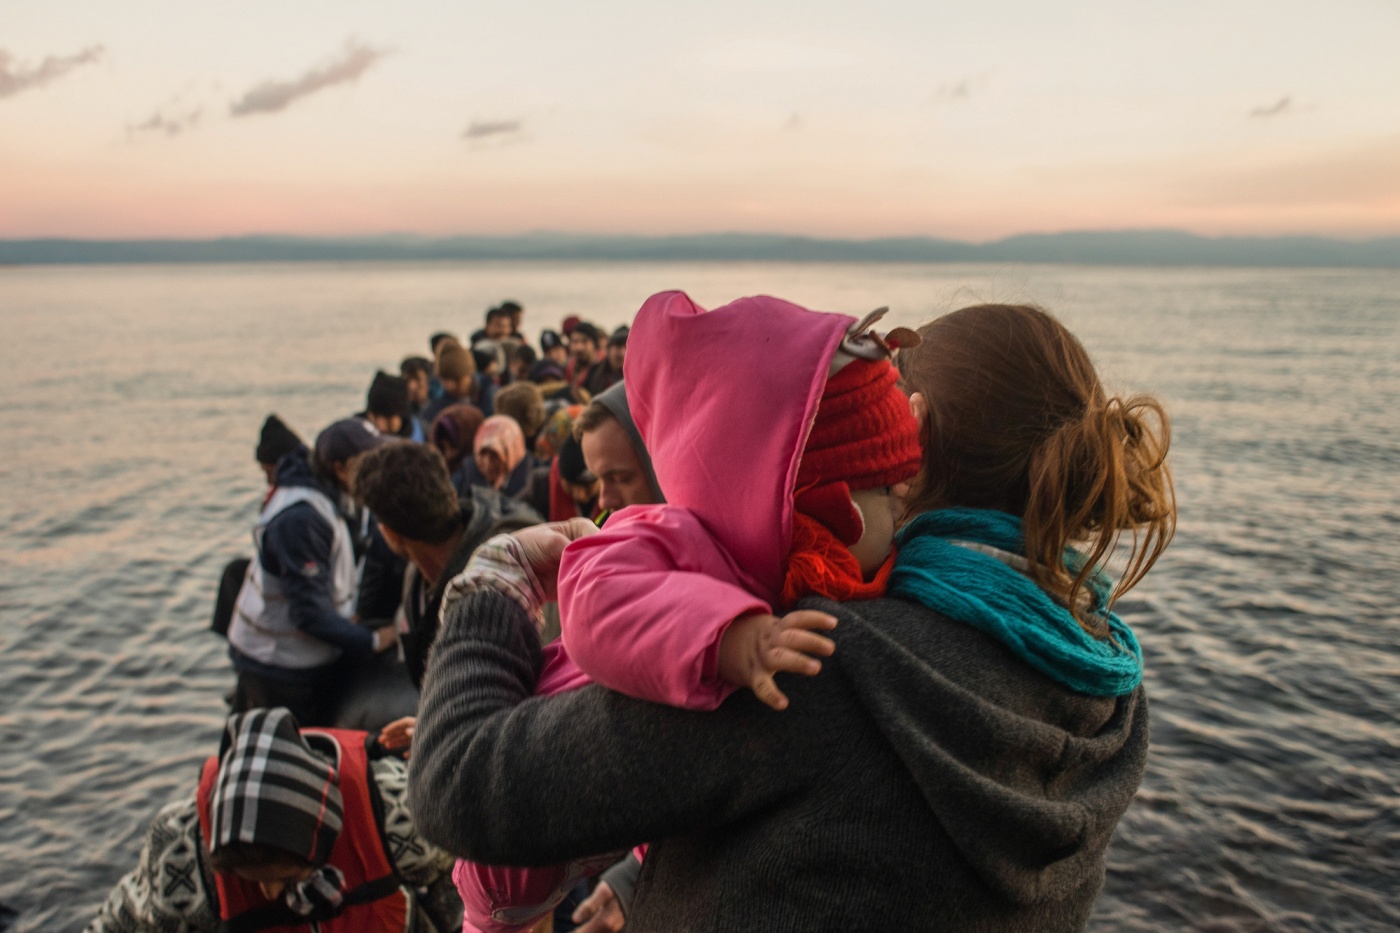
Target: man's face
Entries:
(457, 388)
(417, 387)
(583, 349)
(559, 354)
(387, 424)
(617, 352)
(498, 327)
(272, 880)
(610, 456)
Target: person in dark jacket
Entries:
(461, 383)
(962, 759)
(499, 459)
(422, 519)
(417, 374)
(607, 372)
(275, 440)
(387, 407)
(292, 620)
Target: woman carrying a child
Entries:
(964, 755)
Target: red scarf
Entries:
(820, 565)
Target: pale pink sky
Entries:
(156, 119)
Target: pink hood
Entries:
(724, 401)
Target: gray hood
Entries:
(615, 401)
(1028, 778)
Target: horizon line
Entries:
(1153, 247)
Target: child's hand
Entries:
(755, 647)
(398, 735)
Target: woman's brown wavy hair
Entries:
(1019, 422)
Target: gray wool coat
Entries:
(927, 779)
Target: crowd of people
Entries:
(804, 625)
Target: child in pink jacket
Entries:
(776, 434)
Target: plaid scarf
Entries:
(272, 789)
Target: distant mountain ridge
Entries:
(1107, 247)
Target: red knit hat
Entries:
(864, 435)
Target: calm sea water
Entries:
(133, 396)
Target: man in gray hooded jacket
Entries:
(614, 452)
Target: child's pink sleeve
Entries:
(497, 899)
(644, 602)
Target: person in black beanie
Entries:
(386, 406)
(275, 440)
(292, 619)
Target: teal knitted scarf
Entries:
(943, 563)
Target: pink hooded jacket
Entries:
(724, 401)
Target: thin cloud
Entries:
(273, 96)
(484, 129)
(14, 78)
(169, 121)
(961, 90)
(775, 56)
(1281, 106)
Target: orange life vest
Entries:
(375, 900)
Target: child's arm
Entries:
(498, 899)
(645, 604)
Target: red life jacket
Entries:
(374, 899)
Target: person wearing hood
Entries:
(275, 440)
(965, 755)
(613, 450)
(387, 407)
(287, 828)
(422, 520)
(453, 433)
(499, 460)
(292, 619)
(455, 367)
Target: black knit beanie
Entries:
(572, 468)
(275, 441)
(388, 395)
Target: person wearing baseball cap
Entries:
(292, 620)
(554, 348)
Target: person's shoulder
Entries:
(894, 616)
(299, 518)
(887, 640)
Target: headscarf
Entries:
(501, 434)
(454, 431)
(558, 428)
